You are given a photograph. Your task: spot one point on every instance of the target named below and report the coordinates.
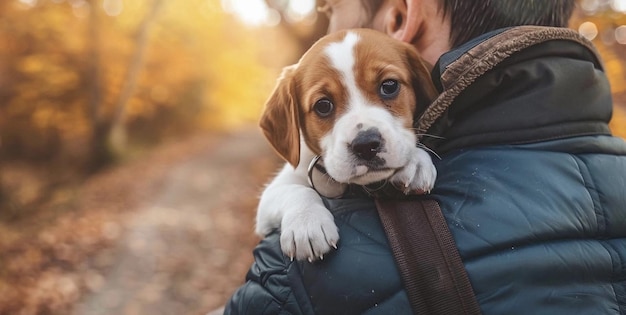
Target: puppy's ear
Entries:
(280, 120)
(425, 90)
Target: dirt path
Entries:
(182, 248)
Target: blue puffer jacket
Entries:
(531, 183)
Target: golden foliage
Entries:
(201, 70)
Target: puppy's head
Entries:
(352, 98)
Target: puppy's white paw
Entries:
(308, 233)
(418, 176)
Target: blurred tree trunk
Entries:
(118, 131)
(99, 154)
(109, 133)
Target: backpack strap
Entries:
(430, 266)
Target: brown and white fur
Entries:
(351, 99)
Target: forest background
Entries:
(128, 133)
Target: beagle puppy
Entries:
(351, 100)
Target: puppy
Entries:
(351, 99)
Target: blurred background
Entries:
(130, 160)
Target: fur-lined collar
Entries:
(473, 63)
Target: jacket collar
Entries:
(460, 68)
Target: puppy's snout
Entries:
(367, 144)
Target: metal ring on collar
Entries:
(330, 188)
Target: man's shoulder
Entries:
(343, 282)
(272, 284)
(361, 274)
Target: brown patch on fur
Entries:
(384, 59)
(280, 120)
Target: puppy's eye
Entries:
(389, 89)
(324, 107)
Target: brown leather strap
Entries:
(430, 265)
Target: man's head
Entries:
(473, 18)
(436, 26)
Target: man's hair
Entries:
(472, 18)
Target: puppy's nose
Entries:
(367, 144)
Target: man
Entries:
(531, 183)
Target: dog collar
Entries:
(321, 182)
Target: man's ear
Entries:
(280, 119)
(402, 19)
